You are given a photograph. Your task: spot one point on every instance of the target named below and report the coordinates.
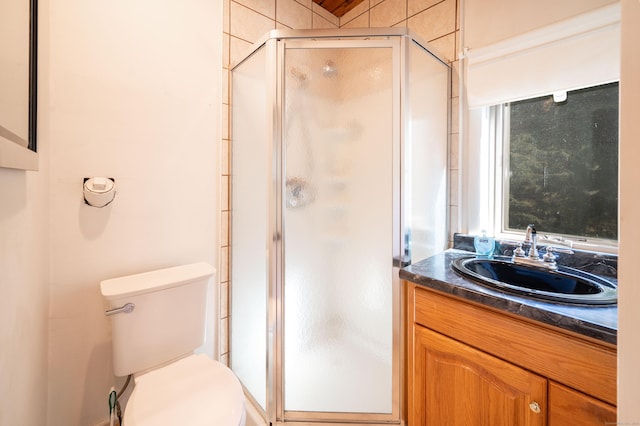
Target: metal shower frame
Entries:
(276, 42)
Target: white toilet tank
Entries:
(168, 318)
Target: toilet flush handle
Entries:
(126, 308)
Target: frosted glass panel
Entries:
(425, 150)
(337, 230)
(251, 153)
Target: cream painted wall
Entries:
(134, 95)
(24, 295)
(629, 296)
(491, 21)
(24, 287)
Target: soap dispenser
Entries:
(484, 244)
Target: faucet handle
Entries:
(557, 240)
(519, 251)
(550, 257)
(560, 250)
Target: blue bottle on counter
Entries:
(484, 244)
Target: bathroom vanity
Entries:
(479, 356)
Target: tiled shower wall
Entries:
(245, 21)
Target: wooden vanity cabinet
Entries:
(569, 407)
(472, 365)
(456, 382)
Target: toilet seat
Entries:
(193, 391)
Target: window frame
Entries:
(499, 127)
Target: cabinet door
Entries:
(570, 407)
(457, 385)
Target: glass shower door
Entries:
(339, 168)
(250, 198)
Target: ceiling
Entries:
(338, 7)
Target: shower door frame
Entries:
(275, 381)
(274, 43)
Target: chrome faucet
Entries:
(531, 237)
(547, 261)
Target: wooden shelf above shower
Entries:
(338, 7)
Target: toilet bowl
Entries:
(194, 391)
(157, 322)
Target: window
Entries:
(560, 164)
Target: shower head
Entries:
(329, 69)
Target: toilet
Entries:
(157, 322)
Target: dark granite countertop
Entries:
(599, 322)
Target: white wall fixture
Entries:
(99, 191)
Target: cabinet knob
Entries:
(535, 407)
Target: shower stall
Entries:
(339, 143)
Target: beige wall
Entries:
(496, 20)
(629, 293)
(134, 94)
(245, 21)
(24, 294)
(24, 287)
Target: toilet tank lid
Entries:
(157, 280)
